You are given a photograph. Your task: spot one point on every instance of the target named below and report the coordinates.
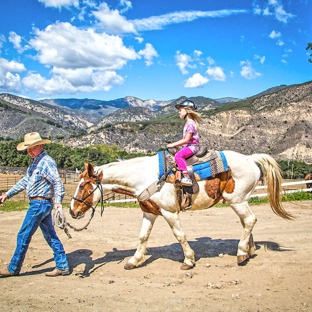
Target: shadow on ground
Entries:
(204, 247)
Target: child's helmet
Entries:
(188, 104)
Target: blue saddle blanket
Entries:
(204, 170)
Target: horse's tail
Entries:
(272, 172)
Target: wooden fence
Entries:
(70, 182)
(69, 178)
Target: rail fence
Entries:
(287, 188)
(8, 178)
(70, 180)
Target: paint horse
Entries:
(135, 175)
(307, 178)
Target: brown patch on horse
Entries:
(150, 206)
(223, 181)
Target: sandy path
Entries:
(279, 278)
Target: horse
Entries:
(308, 177)
(134, 176)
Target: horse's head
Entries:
(88, 192)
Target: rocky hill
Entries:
(277, 121)
(99, 109)
(19, 116)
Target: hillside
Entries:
(277, 121)
(20, 114)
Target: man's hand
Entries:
(3, 198)
(58, 206)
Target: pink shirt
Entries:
(190, 127)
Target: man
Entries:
(41, 182)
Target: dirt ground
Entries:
(279, 278)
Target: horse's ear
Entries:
(89, 168)
(100, 176)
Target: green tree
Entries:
(309, 47)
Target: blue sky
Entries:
(157, 50)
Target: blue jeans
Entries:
(38, 215)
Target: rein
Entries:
(60, 219)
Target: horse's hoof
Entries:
(185, 266)
(242, 260)
(129, 266)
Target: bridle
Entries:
(83, 200)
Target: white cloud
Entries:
(2, 40)
(159, 22)
(247, 70)
(274, 34)
(126, 5)
(182, 61)
(139, 39)
(260, 58)
(216, 73)
(281, 14)
(60, 3)
(81, 60)
(112, 22)
(70, 82)
(17, 42)
(148, 53)
(8, 81)
(210, 60)
(196, 81)
(273, 8)
(287, 52)
(197, 54)
(65, 46)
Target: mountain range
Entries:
(277, 121)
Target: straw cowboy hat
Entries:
(30, 140)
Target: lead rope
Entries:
(59, 220)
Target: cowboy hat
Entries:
(30, 140)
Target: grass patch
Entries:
(20, 206)
(14, 206)
(298, 196)
(123, 205)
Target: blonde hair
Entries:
(194, 115)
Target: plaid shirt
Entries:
(44, 181)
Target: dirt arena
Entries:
(277, 279)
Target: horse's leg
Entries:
(147, 225)
(174, 222)
(246, 245)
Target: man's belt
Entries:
(39, 198)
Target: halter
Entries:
(98, 186)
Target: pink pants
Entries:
(180, 157)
